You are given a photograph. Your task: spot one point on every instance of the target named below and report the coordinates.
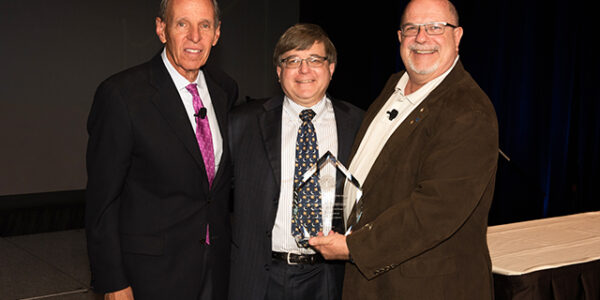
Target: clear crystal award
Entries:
(332, 204)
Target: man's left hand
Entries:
(332, 247)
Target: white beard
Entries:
(422, 71)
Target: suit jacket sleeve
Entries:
(108, 160)
(455, 167)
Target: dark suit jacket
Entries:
(148, 200)
(255, 136)
(422, 234)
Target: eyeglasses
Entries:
(294, 62)
(433, 28)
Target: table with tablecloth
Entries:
(551, 258)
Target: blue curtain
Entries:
(537, 62)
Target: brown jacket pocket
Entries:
(427, 267)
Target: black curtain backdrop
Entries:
(536, 61)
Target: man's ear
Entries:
(217, 34)
(458, 33)
(160, 30)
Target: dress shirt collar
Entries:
(293, 109)
(425, 89)
(178, 79)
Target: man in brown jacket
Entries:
(426, 154)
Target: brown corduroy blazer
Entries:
(426, 200)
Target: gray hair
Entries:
(162, 11)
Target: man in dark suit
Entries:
(426, 154)
(266, 139)
(159, 175)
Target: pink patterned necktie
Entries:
(204, 138)
(203, 134)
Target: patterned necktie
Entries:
(203, 134)
(306, 211)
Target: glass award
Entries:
(332, 203)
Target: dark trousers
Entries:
(322, 281)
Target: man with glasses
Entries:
(426, 154)
(273, 142)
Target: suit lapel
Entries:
(414, 120)
(219, 102)
(345, 137)
(270, 129)
(387, 91)
(169, 104)
(398, 139)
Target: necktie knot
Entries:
(192, 89)
(307, 115)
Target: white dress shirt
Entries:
(326, 130)
(381, 128)
(187, 99)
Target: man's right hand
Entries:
(124, 294)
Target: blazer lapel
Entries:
(396, 140)
(169, 104)
(270, 129)
(414, 119)
(220, 105)
(387, 91)
(345, 137)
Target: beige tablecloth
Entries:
(524, 247)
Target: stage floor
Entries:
(51, 265)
